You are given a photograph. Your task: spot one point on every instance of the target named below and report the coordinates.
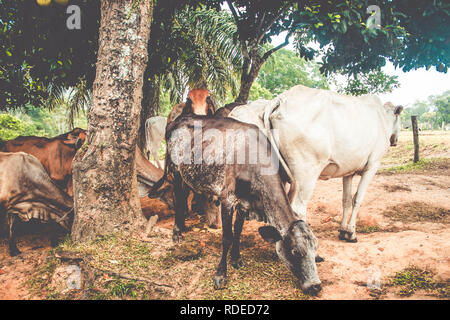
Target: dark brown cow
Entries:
(55, 154)
(27, 192)
(198, 102)
(251, 189)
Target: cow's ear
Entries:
(69, 143)
(270, 234)
(398, 110)
(187, 109)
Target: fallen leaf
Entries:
(381, 249)
(327, 219)
(195, 229)
(2, 272)
(106, 277)
(113, 261)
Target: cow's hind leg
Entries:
(54, 236)
(13, 250)
(306, 179)
(220, 279)
(357, 200)
(180, 194)
(347, 205)
(236, 260)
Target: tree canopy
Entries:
(412, 34)
(38, 50)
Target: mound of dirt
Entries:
(418, 211)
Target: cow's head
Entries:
(394, 120)
(199, 102)
(75, 139)
(297, 249)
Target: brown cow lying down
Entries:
(27, 192)
(206, 155)
(55, 154)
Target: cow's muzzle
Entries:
(312, 289)
(393, 141)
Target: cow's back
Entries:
(26, 188)
(345, 129)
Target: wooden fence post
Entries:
(415, 137)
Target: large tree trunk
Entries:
(105, 186)
(249, 74)
(150, 104)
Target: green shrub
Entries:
(12, 127)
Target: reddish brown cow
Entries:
(198, 102)
(55, 154)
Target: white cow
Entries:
(155, 129)
(323, 134)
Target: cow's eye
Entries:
(296, 253)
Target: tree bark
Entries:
(105, 186)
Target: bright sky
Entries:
(414, 85)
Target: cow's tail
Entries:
(267, 125)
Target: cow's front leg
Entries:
(180, 194)
(13, 250)
(346, 205)
(236, 260)
(357, 200)
(220, 279)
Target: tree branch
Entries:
(270, 24)
(281, 45)
(238, 24)
(234, 12)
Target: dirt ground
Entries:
(404, 221)
(397, 244)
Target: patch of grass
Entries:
(414, 278)
(39, 282)
(396, 187)
(423, 165)
(367, 229)
(124, 289)
(418, 211)
(262, 276)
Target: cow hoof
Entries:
(342, 235)
(177, 237)
(220, 282)
(319, 259)
(14, 252)
(237, 264)
(352, 240)
(54, 243)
